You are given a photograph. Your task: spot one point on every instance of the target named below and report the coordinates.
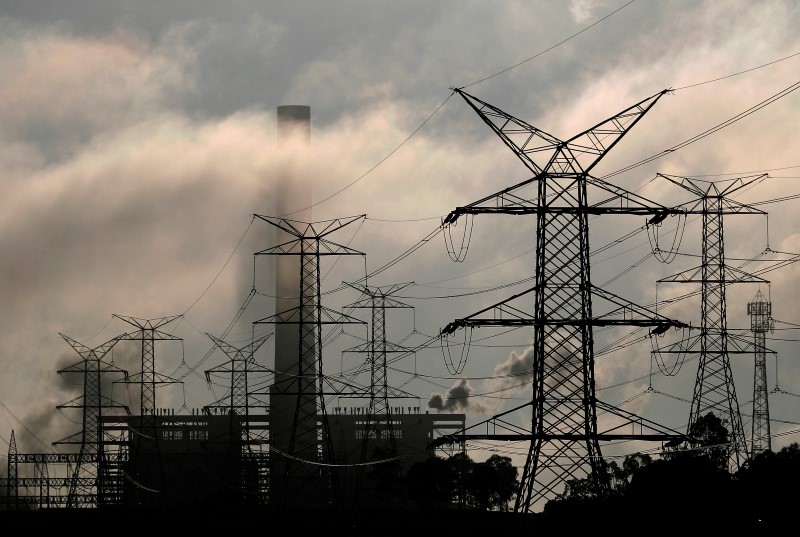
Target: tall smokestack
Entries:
(293, 202)
(293, 193)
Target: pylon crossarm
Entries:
(472, 320)
(387, 347)
(96, 353)
(494, 423)
(158, 379)
(240, 353)
(727, 206)
(628, 200)
(594, 143)
(525, 140)
(147, 324)
(102, 367)
(630, 312)
(507, 202)
(742, 345)
(634, 420)
(72, 403)
(293, 316)
(477, 207)
(305, 230)
(712, 190)
(367, 302)
(731, 275)
(296, 247)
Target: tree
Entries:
(709, 441)
(430, 483)
(461, 468)
(768, 485)
(504, 481)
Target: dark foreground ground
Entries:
(211, 521)
(660, 519)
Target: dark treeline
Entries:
(682, 489)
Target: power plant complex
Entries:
(287, 445)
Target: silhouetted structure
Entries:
(564, 438)
(760, 312)
(377, 426)
(303, 459)
(90, 474)
(714, 389)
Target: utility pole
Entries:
(303, 471)
(714, 389)
(564, 435)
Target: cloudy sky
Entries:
(138, 140)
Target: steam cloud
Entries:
(459, 397)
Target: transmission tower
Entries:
(241, 365)
(145, 455)
(714, 389)
(90, 477)
(564, 435)
(12, 490)
(305, 474)
(238, 402)
(379, 441)
(760, 312)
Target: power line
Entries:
(381, 161)
(551, 48)
(755, 108)
(737, 74)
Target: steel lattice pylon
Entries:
(379, 440)
(145, 455)
(148, 333)
(714, 389)
(12, 489)
(564, 435)
(90, 476)
(241, 364)
(308, 476)
(238, 403)
(760, 311)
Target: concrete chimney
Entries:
(292, 202)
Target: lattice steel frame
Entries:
(378, 428)
(714, 389)
(91, 474)
(147, 439)
(310, 475)
(760, 311)
(240, 366)
(565, 438)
